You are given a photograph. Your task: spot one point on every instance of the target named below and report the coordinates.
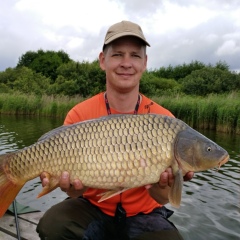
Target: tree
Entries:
(179, 71)
(4, 88)
(8, 76)
(64, 86)
(44, 62)
(24, 80)
(210, 80)
(88, 77)
(154, 86)
(222, 65)
(26, 59)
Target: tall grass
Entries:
(218, 112)
(20, 104)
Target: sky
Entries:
(179, 31)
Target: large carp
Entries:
(115, 153)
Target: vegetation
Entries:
(217, 112)
(54, 73)
(45, 63)
(49, 83)
(22, 104)
(220, 112)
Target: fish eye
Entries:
(209, 149)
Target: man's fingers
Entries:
(77, 184)
(188, 176)
(42, 176)
(44, 179)
(169, 171)
(163, 180)
(45, 182)
(64, 182)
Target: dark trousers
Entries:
(78, 219)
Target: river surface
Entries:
(210, 207)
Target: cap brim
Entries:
(123, 34)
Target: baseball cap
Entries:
(124, 28)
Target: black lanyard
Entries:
(109, 110)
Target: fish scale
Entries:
(116, 152)
(131, 146)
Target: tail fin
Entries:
(8, 188)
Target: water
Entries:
(210, 207)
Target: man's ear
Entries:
(145, 63)
(101, 58)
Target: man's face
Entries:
(124, 61)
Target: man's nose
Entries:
(126, 61)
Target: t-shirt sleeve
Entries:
(89, 109)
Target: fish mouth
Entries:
(223, 161)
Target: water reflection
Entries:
(210, 201)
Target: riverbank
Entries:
(216, 112)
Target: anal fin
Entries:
(53, 184)
(111, 193)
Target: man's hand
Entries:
(167, 178)
(159, 191)
(73, 189)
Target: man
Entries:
(136, 213)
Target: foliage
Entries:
(49, 83)
(181, 71)
(220, 112)
(24, 80)
(31, 104)
(43, 62)
(178, 72)
(217, 112)
(54, 73)
(152, 85)
(210, 80)
(81, 78)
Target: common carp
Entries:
(116, 153)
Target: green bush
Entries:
(153, 86)
(210, 80)
(44, 62)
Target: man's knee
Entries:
(66, 220)
(54, 226)
(64, 230)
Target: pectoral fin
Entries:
(53, 184)
(111, 193)
(175, 194)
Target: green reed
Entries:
(52, 106)
(217, 112)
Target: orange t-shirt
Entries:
(134, 200)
